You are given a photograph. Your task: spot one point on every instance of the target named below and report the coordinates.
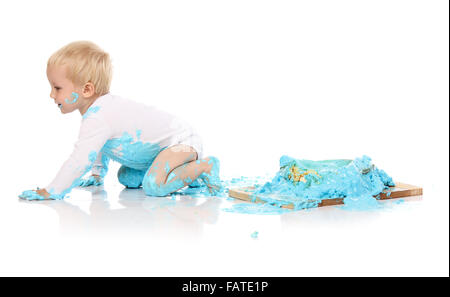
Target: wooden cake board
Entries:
(400, 190)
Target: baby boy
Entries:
(157, 150)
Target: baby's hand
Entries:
(39, 194)
(93, 180)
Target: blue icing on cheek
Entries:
(74, 98)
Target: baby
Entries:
(157, 150)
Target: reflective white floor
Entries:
(110, 230)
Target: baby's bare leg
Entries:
(173, 169)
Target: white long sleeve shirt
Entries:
(115, 128)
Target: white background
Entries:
(257, 79)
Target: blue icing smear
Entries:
(305, 183)
(174, 182)
(134, 154)
(167, 167)
(91, 110)
(130, 178)
(74, 98)
(90, 181)
(32, 195)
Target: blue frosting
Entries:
(134, 154)
(90, 181)
(212, 179)
(74, 98)
(256, 208)
(91, 110)
(129, 177)
(167, 167)
(305, 183)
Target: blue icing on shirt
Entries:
(91, 110)
(134, 154)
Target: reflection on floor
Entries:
(93, 211)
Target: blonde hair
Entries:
(86, 62)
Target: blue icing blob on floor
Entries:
(254, 208)
(364, 202)
(304, 183)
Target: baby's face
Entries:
(64, 92)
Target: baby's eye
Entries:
(57, 88)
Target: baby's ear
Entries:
(88, 90)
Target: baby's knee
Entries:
(151, 188)
(129, 177)
(154, 185)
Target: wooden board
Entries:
(399, 191)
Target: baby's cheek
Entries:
(73, 98)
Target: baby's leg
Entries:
(173, 169)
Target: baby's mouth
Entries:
(59, 105)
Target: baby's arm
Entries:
(99, 171)
(94, 132)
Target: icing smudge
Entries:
(130, 153)
(305, 183)
(74, 98)
(91, 110)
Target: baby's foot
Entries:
(211, 175)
